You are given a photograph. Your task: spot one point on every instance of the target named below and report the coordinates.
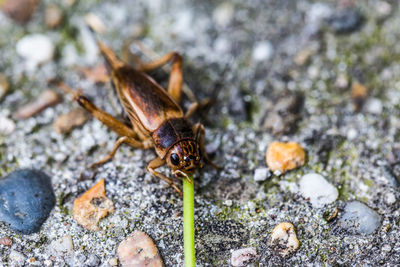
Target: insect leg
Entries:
(127, 140)
(175, 78)
(199, 132)
(158, 162)
(191, 110)
(108, 120)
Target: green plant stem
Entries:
(188, 222)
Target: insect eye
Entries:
(174, 158)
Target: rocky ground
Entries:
(323, 74)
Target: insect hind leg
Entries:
(107, 119)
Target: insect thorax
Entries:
(171, 132)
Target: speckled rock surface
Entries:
(242, 54)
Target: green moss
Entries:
(60, 203)
(232, 212)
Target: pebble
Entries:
(7, 126)
(316, 14)
(260, 174)
(6, 241)
(139, 250)
(223, 14)
(243, 257)
(359, 218)
(262, 51)
(374, 106)
(16, 257)
(113, 261)
(342, 81)
(98, 74)
(4, 86)
(237, 106)
(345, 20)
(19, 10)
(75, 118)
(46, 99)
(95, 23)
(70, 55)
(53, 16)
(359, 94)
(285, 114)
(283, 157)
(303, 56)
(228, 202)
(390, 198)
(386, 248)
(62, 246)
(35, 49)
(352, 134)
(92, 260)
(315, 187)
(384, 9)
(92, 206)
(284, 239)
(26, 199)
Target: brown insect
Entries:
(155, 116)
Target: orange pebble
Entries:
(283, 157)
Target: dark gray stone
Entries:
(26, 199)
(346, 20)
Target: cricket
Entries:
(156, 118)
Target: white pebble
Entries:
(384, 8)
(89, 44)
(64, 245)
(113, 261)
(315, 187)
(222, 45)
(35, 49)
(242, 257)
(16, 256)
(352, 134)
(262, 51)
(374, 106)
(360, 218)
(386, 248)
(70, 55)
(228, 202)
(183, 25)
(390, 198)
(260, 174)
(315, 16)
(7, 126)
(223, 14)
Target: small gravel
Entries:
(139, 250)
(7, 126)
(35, 49)
(263, 51)
(317, 189)
(359, 218)
(284, 239)
(260, 174)
(243, 257)
(62, 246)
(16, 257)
(298, 90)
